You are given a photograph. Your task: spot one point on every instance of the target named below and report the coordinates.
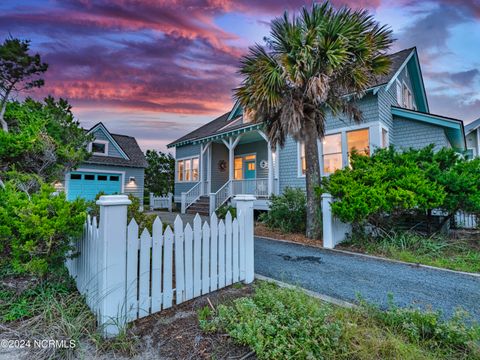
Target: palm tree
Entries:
(317, 62)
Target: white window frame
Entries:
(300, 173)
(383, 146)
(184, 159)
(399, 89)
(343, 132)
(104, 142)
(408, 102)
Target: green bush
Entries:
(288, 212)
(224, 209)
(383, 188)
(37, 229)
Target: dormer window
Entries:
(99, 147)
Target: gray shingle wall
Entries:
(112, 150)
(413, 134)
(219, 153)
(288, 171)
(368, 106)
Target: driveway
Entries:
(343, 276)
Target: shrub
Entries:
(288, 212)
(37, 229)
(224, 209)
(389, 185)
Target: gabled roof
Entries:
(472, 126)
(453, 128)
(132, 155)
(399, 61)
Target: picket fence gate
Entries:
(161, 202)
(465, 220)
(125, 275)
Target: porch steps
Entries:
(201, 206)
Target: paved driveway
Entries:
(343, 276)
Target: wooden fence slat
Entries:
(188, 262)
(241, 245)
(157, 243)
(213, 252)
(179, 261)
(167, 268)
(205, 258)
(235, 252)
(221, 254)
(197, 256)
(132, 270)
(144, 276)
(228, 250)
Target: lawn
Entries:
(460, 251)
(278, 323)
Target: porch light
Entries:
(131, 180)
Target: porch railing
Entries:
(257, 187)
(220, 197)
(189, 197)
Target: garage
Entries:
(87, 185)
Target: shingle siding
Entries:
(288, 171)
(112, 150)
(413, 134)
(219, 153)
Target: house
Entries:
(472, 134)
(231, 155)
(116, 166)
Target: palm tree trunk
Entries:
(313, 180)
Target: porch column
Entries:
(203, 149)
(270, 169)
(200, 168)
(270, 163)
(231, 145)
(209, 169)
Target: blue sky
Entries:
(158, 69)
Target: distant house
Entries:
(116, 166)
(230, 155)
(472, 134)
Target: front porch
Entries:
(235, 163)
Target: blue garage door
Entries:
(88, 184)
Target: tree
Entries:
(43, 143)
(18, 71)
(308, 66)
(160, 172)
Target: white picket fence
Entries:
(465, 220)
(161, 202)
(125, 275)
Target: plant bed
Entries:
(279, 323)
(262, 230)
(460, 251)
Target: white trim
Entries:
(300, 174)
(110, 138)
(104, 142)
(400, 69)
(191, 168)
(121, 173)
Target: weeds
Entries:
(287, 323)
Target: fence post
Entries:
(245, 206)
(112, 263)
(151, 201)
(327, 220)
(183, 202)
(170, 196)
(212, 203)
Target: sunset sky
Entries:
(157, 69)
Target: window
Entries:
(89, 177)
(332, 153)
(99, 147)
(102, 177)
(303, 162)
(238, 168)
(75, 176)
(188, 169)
(358, 140)
(407, 97)
(384, 138)
(114, 178)
(399, 93)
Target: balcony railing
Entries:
(257, 187)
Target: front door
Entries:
(249, 167)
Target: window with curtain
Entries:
(237, 169)
(188, 169)
(332, 153)
(301, 159)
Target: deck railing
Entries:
(189, 197)
(257, 187)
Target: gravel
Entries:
(345, 276)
